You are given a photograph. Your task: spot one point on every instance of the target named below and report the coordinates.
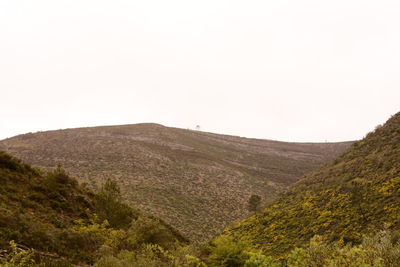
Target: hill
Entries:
(359, 193)
(197, 182)
(54, 220)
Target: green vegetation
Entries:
(46, 218)
(254, 204)
(379, 250)
(197, 182)
(109, 206)
(346, 214)
(359, 193)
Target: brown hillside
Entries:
(198, 182)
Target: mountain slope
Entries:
(34, 208)
(357, 194)
(197, 182)
(62, 221)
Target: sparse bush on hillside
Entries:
(11, 163)
(59, 175)
(254, 204)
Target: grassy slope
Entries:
(197, 182)
(41, 210)
(358, 193)
(36, 210)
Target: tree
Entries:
(227, 252)
(109, 206)
(254, 203)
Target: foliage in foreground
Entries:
(379, 250)
(152, 255)
(48, 219)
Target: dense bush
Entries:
(151, 255)
(380, 250)
(109, 206)
(225, 251)
(146, 230)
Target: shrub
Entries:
(225, 251)
(379, 250)
(147, 230)
(17, 258)
(298, 257)
(384, 245)
(109, 206)
(260, 260)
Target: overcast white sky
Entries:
(291, 70)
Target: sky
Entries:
(289, 70)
